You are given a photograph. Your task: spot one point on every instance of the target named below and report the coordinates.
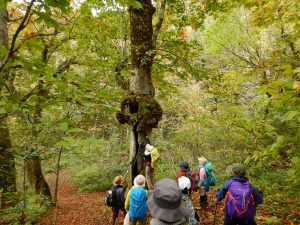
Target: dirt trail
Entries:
(75, 208)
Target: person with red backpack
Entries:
(186, 172)
(241, 198)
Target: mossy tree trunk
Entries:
(139, 109)
(33, 162)
(35, 175)
(7, 162)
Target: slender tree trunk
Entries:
(33, 162)
(57, 176)
(7, 166)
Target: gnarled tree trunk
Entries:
(139, 109)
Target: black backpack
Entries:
(111, 198)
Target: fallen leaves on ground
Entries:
(75, 208)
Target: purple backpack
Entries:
(239, 201)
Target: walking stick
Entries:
(215, 215)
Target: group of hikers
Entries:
(169, 200)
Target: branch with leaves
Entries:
(159, 23)
(22, 25)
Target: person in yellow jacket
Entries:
(135, 203)
(152, 161)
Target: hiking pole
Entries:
(215, 215)
(134, 161)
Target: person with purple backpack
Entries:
(241, 198)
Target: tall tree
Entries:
(7, 168)
(139, 109)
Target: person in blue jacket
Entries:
(241, 198)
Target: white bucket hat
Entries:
(184, 182)
(149, 149)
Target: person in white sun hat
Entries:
(184, 184)
(152, 161)
(135, 203)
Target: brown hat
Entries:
(237, 169)
(118, 180)
(165, 201)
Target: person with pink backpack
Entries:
(241, 198)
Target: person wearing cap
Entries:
(200, 178)
(186, 172)
(135, 202)
(184, 184)
(118, 183)
(238, 173)
(184, 168)
(152, 160)
(166, 205)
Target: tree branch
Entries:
(16, 34)
(33, 36)
(61, 68)
(159, 23)
(180, 59)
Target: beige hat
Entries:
(119, 180)
(139, 181)
(202, 160)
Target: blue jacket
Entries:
(221, 193)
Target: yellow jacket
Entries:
(154, 158)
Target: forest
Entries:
(85, 83)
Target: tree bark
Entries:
(144, 112)
(7, 167)
(35, 175)
(141, 32)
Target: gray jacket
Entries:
(190, 218)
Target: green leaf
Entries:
(296, 162)
(63, 5)
(75, 130)
(69, 139)
(291, 115)
(135, 4)
(2, 110)
(3, 51)
(64, 126)
(275, 148)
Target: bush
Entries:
(97, 179)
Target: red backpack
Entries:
(192, 176)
